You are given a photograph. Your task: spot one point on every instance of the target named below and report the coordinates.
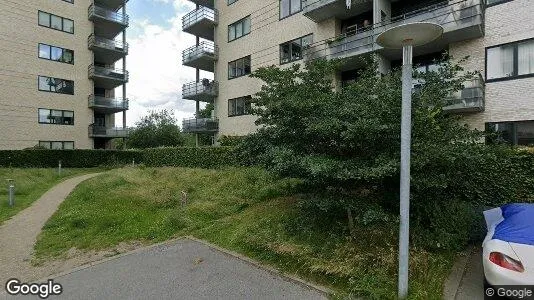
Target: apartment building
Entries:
(235, 37)
(58, 73)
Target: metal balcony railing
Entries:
(452, 16)
(105, 132)
(108, 103)
(112, 73)
(206, 125)
(204, 49)
(113, 16)
(470, 99)
(206, 89)
(115, 45)
(198, 15)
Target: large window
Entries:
(289, 7)
(238, 68)
(57, 145)
(495, 2)
(292, 51)
(239, 106)
(239, 29)
(513, 133)
(56, 53)
(509, 61)
(58, 117)
(56, 22)
(56, 85)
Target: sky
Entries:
(156, 42)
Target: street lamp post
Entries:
(406, 36)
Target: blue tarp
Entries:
(518, 224)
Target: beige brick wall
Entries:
(20, 66)
(267, 33)
(510, 100)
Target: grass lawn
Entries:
(30, 184)
(242, 209)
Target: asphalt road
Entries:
(184, 269)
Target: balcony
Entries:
(201, 22)
(107, 51)
(107, 105)
(111, 4)
(204, 91)
(320, 10)
(209, 125)
(108, 78)
(202, 57)
(205, 3)
(469, 100)
(462, 20)
(109, 133)
(107, 23)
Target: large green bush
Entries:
(39, 158)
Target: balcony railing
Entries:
(461, 20)
(100, 42)
(115, 104)
(205, 90)
(107, 14)
(470, 99)
(200, 125)
(105, 132)
(202, 56)
(112, 73)
(197, 15)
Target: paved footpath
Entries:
(19, 234)
(181, 269)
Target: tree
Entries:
(158, 129)
(345, 143)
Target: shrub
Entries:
(38, 158)
(230, 140)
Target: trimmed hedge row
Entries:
(208, 157)
(40, 158)
(158, 157)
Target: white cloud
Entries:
(155, 66)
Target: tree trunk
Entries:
(351, 223)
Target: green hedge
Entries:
(157, 157)
(208, 157)
(39, 158)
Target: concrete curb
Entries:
(323, 290)
(450, 288)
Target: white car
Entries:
(508, 255)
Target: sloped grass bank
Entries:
(245, 210)
(30, 184)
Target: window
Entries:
(509, 61)
(70, 1)
(56, 54)
(513, 133)
(58, 117)
(238, 68)
(231, 1)
(57, 145)
(292, 51)
(289, 7)
(239, 106)
(56, 22)
(239, 29)
(55, 85)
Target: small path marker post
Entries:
(11, 192)
(59, 168)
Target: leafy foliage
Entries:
(345, 141)
(158, 129)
